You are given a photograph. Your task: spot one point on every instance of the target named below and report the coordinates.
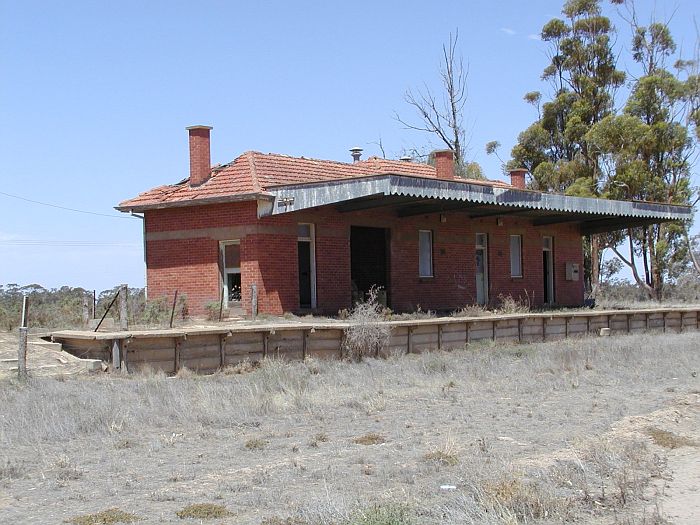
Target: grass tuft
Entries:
(387, 514)
(371, 438)
(106, 517)
(274, 520)
(442, 458)
(255, 444)
(203, 511)
(667, 439)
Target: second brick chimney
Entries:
(517, 178)
(444, 164)
(200, 155)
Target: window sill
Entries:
(426, 279)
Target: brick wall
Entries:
(182, 253)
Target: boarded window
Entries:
(516, 256)
(425, 253)
(232, 256)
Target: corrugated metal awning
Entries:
(414, 196)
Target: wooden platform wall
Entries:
(208, 349)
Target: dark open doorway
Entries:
(369, 265)
(548, 269)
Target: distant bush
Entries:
(66, 307)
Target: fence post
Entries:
(22, 349)
(86, 310)
(22, 354)
(123, 308)
(172, 312)
(254, 299)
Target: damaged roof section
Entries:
(251, 175)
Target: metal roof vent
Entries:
(356, 153)
(406, 158)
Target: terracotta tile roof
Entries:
(253, 173)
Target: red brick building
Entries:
(299, 235)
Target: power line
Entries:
(69, 243)
(65, 208)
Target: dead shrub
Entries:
(510, 305)
(367, 334)
(471, 310)
(526, 500)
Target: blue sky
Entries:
(96, 95)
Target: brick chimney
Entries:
(517, 178)
(444, 164)
(200, 157)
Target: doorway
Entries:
(306, 251)
(548, 269)
(369, 265)
(482, 268)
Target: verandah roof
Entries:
(409, 196)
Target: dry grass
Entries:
(485, 420)
(255, 444)
(371, 438)
(667, 439)
(367, 335)
(106, 517)
(203, 511)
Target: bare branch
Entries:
(443, 116)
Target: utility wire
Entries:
(65, 208)
(49, 242)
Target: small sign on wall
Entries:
(572, 271)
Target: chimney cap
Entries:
(356, 153)
(518, 170)
(198, 126)
(443, 153)
(406, 158)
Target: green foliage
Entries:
(64, 307)
(646, 152)
(584, 76)
(470, 170)
(579, 145)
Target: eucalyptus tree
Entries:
(647, 152)
(584, 78)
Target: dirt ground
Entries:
(597, 430)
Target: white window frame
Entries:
(485, 247)
(312, 240)
(520, 256)
(226, 271)
(430, 261)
